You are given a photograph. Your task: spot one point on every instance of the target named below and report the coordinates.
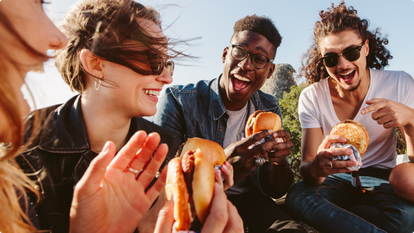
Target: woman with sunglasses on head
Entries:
(106, 190)
(117, 58)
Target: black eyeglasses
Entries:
(239, 53)
(157, 65)
(331, 60)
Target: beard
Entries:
(340, 89)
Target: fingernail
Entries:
(105, 148)
(224, 167)
(363, 111)
(349, 151)
(217, 174)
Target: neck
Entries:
(356, 95)
(103, 123)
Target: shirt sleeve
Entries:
(407, 90)
(307, 110)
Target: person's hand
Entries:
(281, 147)
(226, 172)
(223, 216)
(110, 199)
(322, 166)
(389, 113)
(242, 154)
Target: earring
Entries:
(97, 86)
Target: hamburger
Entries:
(190, 182)
(262, 120)
(357, 139)
(354, 132)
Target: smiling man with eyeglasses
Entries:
(345, 66)
(218, 110)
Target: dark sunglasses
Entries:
(157, 65)
(331, 60)
(239, 53)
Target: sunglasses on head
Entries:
(157, 65)
(331, 59)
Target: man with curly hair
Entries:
(344, 66)
(218, 110)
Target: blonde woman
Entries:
(107, 188)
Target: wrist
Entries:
(279, 163)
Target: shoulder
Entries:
(315, 90)
(192, 88)
(390, 74)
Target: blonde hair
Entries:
(13, 182)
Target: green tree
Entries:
(289, 107)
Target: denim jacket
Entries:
(196, 110)
(60, 154)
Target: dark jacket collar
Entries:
(64, 130)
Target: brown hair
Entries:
(333, 21)
(13, 183)
(110, 31)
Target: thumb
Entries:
(165, 218)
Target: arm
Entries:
(392, 114)
(316, 154)
(242, 156)
(281, 176)
(170, 116)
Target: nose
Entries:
(57, 39)
(165, 77)
(246, 63)
(342, 62)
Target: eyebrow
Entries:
(347, 48)
(257, 48)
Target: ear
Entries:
(367, 47)
(223, 56)
(271, 70)
(92, 64)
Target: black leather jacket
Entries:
(60, 154)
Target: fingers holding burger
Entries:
(190, 182)
(357, 140)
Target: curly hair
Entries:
(333, 21)
(109, 29)
(262, 25)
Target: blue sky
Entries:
(213, 21)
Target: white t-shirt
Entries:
(316, 111)
(235, 132)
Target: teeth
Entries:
(347, 73)
(151, 92)
(239, 77)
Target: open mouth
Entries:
(151, 93)
(348, 76)
(240, 82)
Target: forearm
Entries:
(408, 132)
(308, 176)
(280, 180)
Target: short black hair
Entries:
(259, 24)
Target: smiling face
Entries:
(240, 79)
(348, 74)
(136, 95)
(39, 34)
